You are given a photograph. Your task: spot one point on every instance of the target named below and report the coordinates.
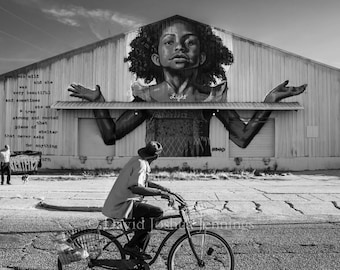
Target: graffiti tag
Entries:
(218, 149)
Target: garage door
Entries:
(90, 142)
(263, 144)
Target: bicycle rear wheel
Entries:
(100, 245)
(211, 248)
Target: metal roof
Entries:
(84, 105)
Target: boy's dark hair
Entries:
(146, 44)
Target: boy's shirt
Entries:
(120, 200)
(5, 156)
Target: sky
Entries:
(34, 30)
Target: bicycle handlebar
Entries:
(179, 199)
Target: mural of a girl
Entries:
(184, 58)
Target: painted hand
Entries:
(283, 91)
(80, 91)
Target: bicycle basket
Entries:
(195, 216)
(72, 255)
(73, 245)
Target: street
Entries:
(26, 241)
(271, 222)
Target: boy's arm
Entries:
(138, 177)
(154, 185)
(146, 191)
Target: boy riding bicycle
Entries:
(125, 198)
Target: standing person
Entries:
(5, 165)
(125, 198)
(184, 58)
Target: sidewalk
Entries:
(298, 197)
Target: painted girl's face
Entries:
(179, 47)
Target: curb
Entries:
(69, 208)
(231, 220)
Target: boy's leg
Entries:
(8, 174)
(2, 173)
(145, 216)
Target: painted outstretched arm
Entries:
(242, 134)
(109, 129)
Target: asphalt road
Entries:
(26, 242)
(274, 223)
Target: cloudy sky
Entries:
(33, 30)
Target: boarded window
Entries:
(90, 142)
(176, 136)
(183, 133)
(263, 144)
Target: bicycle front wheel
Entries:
(100, 246)
(212, 249)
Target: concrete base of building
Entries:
(203, 163)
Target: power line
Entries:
(26, 42)
(34, 26)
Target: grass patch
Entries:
(157, 174)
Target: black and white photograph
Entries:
(160, 134)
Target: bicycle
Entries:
(195, 249)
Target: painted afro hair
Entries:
(146, 43)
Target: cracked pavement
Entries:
(272, 222)
(289, 197)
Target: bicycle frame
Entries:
(184, 222)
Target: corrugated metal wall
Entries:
(101, 64)
(259, 68)
(256, 70)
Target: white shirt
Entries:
(5, 156)
(120, 200)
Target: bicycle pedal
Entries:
(137, 255)
(140, 258)
(141, 265)
(133, 264)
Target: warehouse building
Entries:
(206, 129)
